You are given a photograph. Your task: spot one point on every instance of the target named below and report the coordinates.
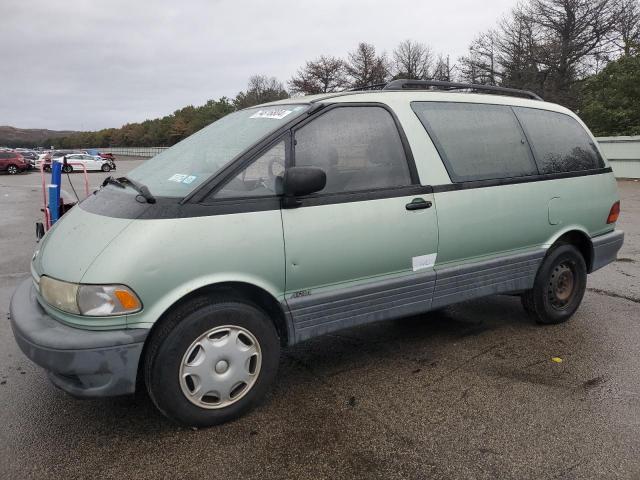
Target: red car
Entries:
(12, 162)
(108, 156)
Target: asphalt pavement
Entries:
(474, 391)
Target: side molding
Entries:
(489, 277)
(317, 314)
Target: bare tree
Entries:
(412, 60)
(481, 64)
(627, 26)
(517, 45)
(444, 71)
(322, 75)
(549, 46)
(570, 33)
(260, 89)
(365, 67)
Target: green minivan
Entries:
(290, 220)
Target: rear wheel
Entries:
(559, 286)
(12, 169)
(67, 168)
(211, 361)
(106, 168)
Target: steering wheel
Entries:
(276, 169)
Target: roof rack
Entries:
(429, 84)
(375, 86)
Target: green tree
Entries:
(159, 132)
(611, 98)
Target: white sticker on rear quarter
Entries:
(273, 113)
(424, 261)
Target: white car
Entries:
(91, 162)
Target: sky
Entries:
(91, 64)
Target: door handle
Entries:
(418, 204)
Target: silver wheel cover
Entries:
(220, 367)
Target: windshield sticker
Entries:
(189, 179)
(178, 177)
(274, 113)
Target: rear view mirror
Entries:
(300, 181)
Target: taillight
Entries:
(614, 213)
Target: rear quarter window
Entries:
(477, 141)
(560, 144)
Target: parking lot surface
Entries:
(472, 391)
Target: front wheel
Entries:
(106, 168)
(211, 361)
(559, 286)
(67, 168)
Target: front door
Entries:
(363, 248)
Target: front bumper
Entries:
(84, 363)
(605, 248)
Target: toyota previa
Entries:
(286, 221)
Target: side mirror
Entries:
(298, 181)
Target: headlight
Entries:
(90, 300)
(61, 295)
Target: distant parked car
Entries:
(61, 153)
(29, 156)
(46, 158)
(107, 156)
(12, 162)
(91, 162)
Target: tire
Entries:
(559, 286)
(174, 351)
(67, 168)
(106, 168)
(12, 169)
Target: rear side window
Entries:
(477, 141)
(359, 148)
(559, 142)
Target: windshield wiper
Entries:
(142, 189)
(112, 181)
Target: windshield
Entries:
(180, 169)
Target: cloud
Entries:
(90, 64)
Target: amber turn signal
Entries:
(127, 299)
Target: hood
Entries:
(74, 242)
